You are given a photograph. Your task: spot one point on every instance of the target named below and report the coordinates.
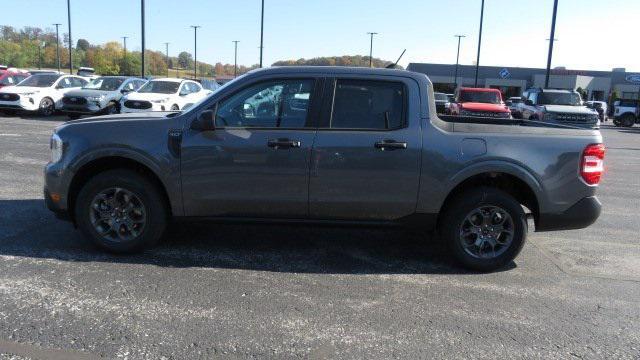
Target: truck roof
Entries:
(337, 70)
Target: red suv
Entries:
(483, 102)
(9, 78)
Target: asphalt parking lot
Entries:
(266, 291)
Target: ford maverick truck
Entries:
(325, 145)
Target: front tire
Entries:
(485, 228)
(628, 120)
(121, 211)
(46, 107)
(175, 107)
(111, 109)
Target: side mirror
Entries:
(206, 121)
(528, 102)
(183, 93)
(125, 91)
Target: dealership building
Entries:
(512, 81)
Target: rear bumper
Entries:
(582, 214)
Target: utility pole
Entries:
(143, 34)
(70, 41)
(195, 51)
(261, 32)
(39, 53)
(457, 60)
(124, 40)
(58, 45)
(371, 48)
(551, 39)
(167, 52)
(479, 43)
(235, 58)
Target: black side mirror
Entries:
(528, 102)
(206, 121)
(125, 91)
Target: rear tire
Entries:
(484, 228)
(121, 211)
(628, 120)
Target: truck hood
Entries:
(474, 106)
(568, 109)
(88, 92)
(22, 89)
(121, 117)
(147, 96)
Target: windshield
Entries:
(104, 83)
(441, 97)
(44, 80)
(160, 87)
(488, 97)
(558, 98)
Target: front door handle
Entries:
(283, 143)
(390, 145)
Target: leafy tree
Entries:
(185, 60)
(83, 44)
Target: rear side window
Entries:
(366, 104)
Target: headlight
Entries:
(95, 98)
(160, 101)
(56, 146)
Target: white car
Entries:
(41, 92)
(168, 94)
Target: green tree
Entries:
(185, 60)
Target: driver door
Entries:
(256, 162)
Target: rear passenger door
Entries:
(366, 158)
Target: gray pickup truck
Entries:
(328, 145)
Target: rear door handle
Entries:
(390, 145)
(283, 143)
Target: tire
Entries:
(111, 109)
(139, 228)
(46, 107)
(175, 107)
(458, 219)
(627, 120)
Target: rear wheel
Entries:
(46, 107)
(484, 229)
(627, 120)
(121, 211)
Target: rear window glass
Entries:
(364, 104)
(488, 97)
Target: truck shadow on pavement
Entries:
(27, 229)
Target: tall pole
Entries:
(479, 43)
(261, 32)
(143, 35)
(39, 55)
(70, 41)
(167, 52)
(124, 40)
(58, 45)
(551, 38)
(235, 58)
(371, 48)
(195, 51)
(457, 60)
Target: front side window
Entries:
(160, 87)
(272, 104)
(366, 104)
(40, 80)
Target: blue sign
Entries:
(634, 79)
(504, 73)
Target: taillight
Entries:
(592, 163)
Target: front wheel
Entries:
(111, 109)
(485, 229)
(121, 211)
(46, 107)
(175, 107)
(628, 120)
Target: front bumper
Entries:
(24, 103)
(580, 215)
(88, 108)
(56, 186)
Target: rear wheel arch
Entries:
(94, 167)
(523, 191)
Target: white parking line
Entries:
(11, 135)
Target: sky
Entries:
(592, 34)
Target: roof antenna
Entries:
(393, 66)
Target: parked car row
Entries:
(75, 95)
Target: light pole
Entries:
(479, 43)
(167, 53)
(195, 50)
(371, 48)
(70, 41)
(40, 44)
(58, 45)
(457, 60)
(124, 40)
(235, 58)
(551, 39)
(261, 32)
(143, 34)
